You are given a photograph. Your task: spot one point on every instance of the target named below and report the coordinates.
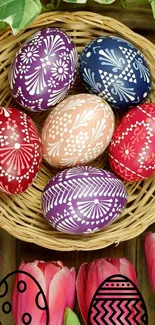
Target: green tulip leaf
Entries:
(70, 318)
(18, 13)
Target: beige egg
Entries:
(77, 131)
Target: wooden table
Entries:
(137, 17)
(13, 251)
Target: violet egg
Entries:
(115, 70)
(44, 69)
(83, 200)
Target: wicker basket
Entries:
(21, 215)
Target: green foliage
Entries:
(18, 13)
(130, 3)
(70, 318)
(105, 2)
(153, 7)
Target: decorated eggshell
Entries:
(132, 149)
(116, 70)
(83, 200)
(77, 131)
(20, 151)
(117, 300)
(44, 69)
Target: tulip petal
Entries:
(81, 285)
(150, 257)
(127, 269)
(89, 278)
(25, 302)
(61, 294)
(49, 270)
(124, 267)
(99, 271)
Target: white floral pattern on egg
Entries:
(44, 69)
(77, 131)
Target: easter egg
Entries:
(20, 151)
(26, 289)
(118, 301)
(83, 200)
(116, 70)
(77, 131)
(44, 69)
(132, 149)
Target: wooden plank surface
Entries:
(13, 251)
(133, 250)
(8, 263)
(139, 17)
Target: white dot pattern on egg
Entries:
(77, 131)
(116, 70)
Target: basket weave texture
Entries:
(21, 215)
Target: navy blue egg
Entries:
(115, 70)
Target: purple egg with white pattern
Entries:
(44, 69)
(83, 200)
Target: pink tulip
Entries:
(58, 285)
(150, 257)
(91, 276)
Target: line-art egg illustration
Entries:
(117, 301)
(25, 288)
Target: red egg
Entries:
(20, 151)
(132, 149)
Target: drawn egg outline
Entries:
(126, 279)
(4, 280)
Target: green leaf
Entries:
(105, 2)
(19, 13)
(130, 3)
(153, 6)
(53, 5)
(76, 1)
(3, 25)
(70, 318)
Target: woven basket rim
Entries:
(23, 223)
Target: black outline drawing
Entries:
(144, 320)
(4, 280)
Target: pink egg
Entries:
(77, 131)
(20, 151)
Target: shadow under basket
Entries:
(21, 215)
